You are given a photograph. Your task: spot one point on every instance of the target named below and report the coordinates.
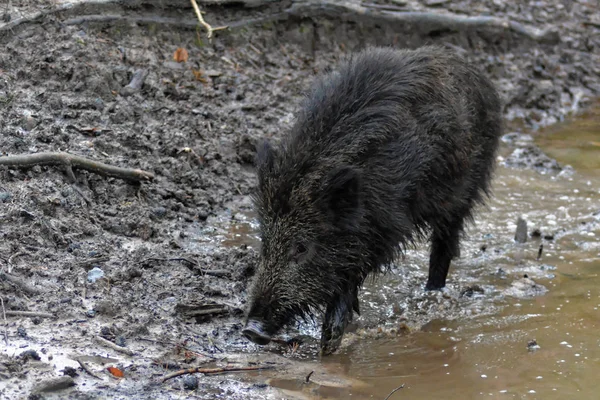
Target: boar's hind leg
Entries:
(444, 247)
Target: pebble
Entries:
(190, 382)
(5, 197)
(70, 371)
(521, 233)
(159, 212)
(22, 332)
(53, 385)
(30, 354)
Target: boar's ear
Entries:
(265, 156)
(341, 197)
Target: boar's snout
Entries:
(255, 332)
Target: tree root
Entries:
(70, 161)
(211, 371)
(209, 29)
(425, 22)
(422, 22)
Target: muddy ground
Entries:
(175, 254)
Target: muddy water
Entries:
(476, 346)
(575, 142)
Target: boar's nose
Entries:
(255, 332)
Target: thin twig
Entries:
(188, 23)
(179, 345)
(5, 322)
(86, 369)
(309, 375)
(18, 254)
(29, 314)
(212, 371)
(394, 391)
(209, 29)
(209, 272)
(113, 346)
(71, 160)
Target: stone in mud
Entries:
(54, 385)
(531, 157)
(521, 233)
(393, 146)
(190, 382)
(525, 288)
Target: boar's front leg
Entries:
(337, 317)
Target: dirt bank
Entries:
(175, 254)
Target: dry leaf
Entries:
(116, 372)
(181, 55)
(199, 75)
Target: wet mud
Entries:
(159, 269)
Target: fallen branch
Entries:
(29, 314)
(207, 371)
(87, 369)
(394, 391)
(71, 160)
(113, 346)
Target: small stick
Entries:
(5, 322)
(177, 345)
(71, 160)
(540, 251)
(17, 254)
(209, 29)
(394, 391)
(200, 370)
(309, 375)
(29, 314)
(210, 272)
(86, 369)
(113, 346)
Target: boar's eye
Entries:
(300, 248)
(299, 251)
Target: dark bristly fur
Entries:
(393, 146)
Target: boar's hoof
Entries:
(254, 331)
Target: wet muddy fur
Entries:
(393, 146)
